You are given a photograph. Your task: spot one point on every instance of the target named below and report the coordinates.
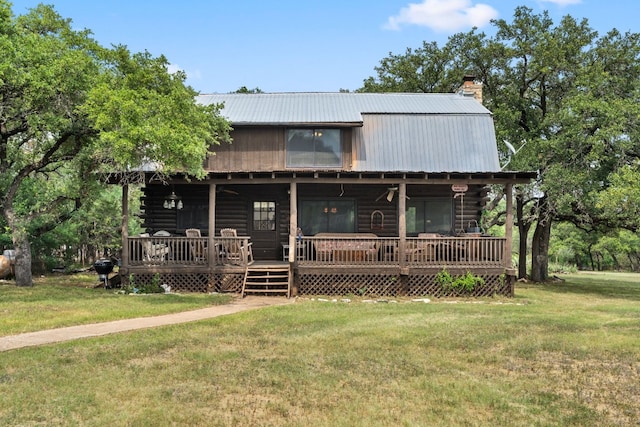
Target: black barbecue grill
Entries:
(103, 267)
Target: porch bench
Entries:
(346, 247)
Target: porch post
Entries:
(293, 221)
(508, 228)
(402, 225)
(212, 224)
(125, 229)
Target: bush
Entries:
(466, 282)
(143, 288)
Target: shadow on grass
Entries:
(607, 285)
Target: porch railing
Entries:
(321, 251)
(188, 251)
(417, 251)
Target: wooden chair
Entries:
(197, 247)
(234, 250)
(153, 251)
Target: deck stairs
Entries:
(267, 279)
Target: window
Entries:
(308, 148)
(433, 215)
(264, 216)
(193, 216)
(332, 216)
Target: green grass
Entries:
(559, 354)
(60, 301)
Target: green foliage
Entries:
(144, 114)
(566, 98)
(143, 288)
(424, 70)
(444, 278)
(245, 89)
(72, 111)
(466, 282)
(562, 268)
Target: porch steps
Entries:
(267, 279)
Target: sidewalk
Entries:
(97, 329)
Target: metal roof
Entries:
(393, 132)
(426, 143)
(334, 108)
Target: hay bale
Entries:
(6, 269)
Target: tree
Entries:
(244, 89)
(424, 70)
(564, 97)
(72, 110)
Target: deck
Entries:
(333, 265)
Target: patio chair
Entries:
(197, 247)
(234, 249)
(422, 250)
(153, 251)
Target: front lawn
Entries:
(66, 300)
(565, 353)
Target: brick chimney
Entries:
(470, 88)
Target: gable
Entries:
(392, 132)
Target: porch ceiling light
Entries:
(172, 202)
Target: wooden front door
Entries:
(264, 229)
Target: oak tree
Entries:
(72, 110)
(565, 98)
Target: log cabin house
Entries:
(332, 194)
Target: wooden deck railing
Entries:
(437, 251)
(469, 252)
(188, 251)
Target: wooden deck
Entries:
(385, 266)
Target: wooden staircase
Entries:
(267, 279)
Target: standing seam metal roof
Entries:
(394, 132)
(279, 108)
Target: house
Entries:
(333, 193)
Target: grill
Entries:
(103, 267)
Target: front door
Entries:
(264, 230)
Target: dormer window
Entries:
(312, 148)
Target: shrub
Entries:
(466, 282)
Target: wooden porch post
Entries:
(125, 229)
(402, 225)
(508, 228)
(293, 221)
(212, 224)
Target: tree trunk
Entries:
(616, 263)
(540, 244)
(22, 247)
(523, 232)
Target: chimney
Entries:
(470, 87)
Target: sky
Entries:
(304, 45)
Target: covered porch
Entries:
(380, 259)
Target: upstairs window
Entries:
(310, 148)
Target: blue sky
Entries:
(293, 46)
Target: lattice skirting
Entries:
(395, 285)
(346, 283)
(194, 282)
(334, 283)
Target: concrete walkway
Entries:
(93, 330)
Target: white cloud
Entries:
(173, 68)
(191, 75)
(444, 15)
(562, 2)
